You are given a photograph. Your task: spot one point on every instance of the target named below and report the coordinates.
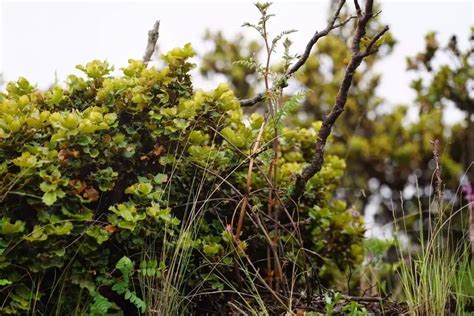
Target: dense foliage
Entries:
(134, 193)
(102, 177)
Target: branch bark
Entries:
(328, 122)
(153, 36)
(303, 58)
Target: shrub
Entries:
(107, 168)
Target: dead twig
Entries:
(363, 298)
(437, 173)
(153, 36)
(245, 201)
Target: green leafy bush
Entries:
(95, 172)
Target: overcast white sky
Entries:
(42, 39)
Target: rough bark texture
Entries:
(153, 35)
(328, 122)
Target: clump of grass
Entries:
(437, 278)
(168, 293)
(164, 293)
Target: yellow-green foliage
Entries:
(92, 170)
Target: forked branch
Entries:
(303, 58)
(328, 122)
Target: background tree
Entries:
(387, 148)
(390, 153)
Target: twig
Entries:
(292, 224)
(153, 36)
(237, 308)
(303, 58)
(328, 122)
(437, 174)
(363, 298)
(243, 207)
(370, 50)
(358, 10)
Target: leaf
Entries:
(84, 140)
(121, 287)
(96, 69)
(100, 235)
(145, 188)
(78, 185)
(138, 302)
(125, 265)
(158, 150)
(4, 282)
(211, 250)
(91, 194)
(60, 229)
(279, 37)
(48, 187)
(71, 121)
(38, 234)
(94, 153)
(127, 225)
(22, 296)
(49, 198)
(110, 229)
(289, 107)
(248, 63)
(100, 306)
(232, 137)
(8, 228)
(26, 160)
(84, 214)
(160, 178)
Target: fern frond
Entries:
(100, 306)
(248, 63)
(279, 37)
(289, 107)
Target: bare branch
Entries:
(252, 101)
(344, 22)
(358, 10)
(314, 39)
(303, 58)
(361, 27)
(328, 122)
(153, 35)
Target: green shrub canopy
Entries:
(106, 166)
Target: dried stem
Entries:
(244, 204)
(153, 36)
(437, 174)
